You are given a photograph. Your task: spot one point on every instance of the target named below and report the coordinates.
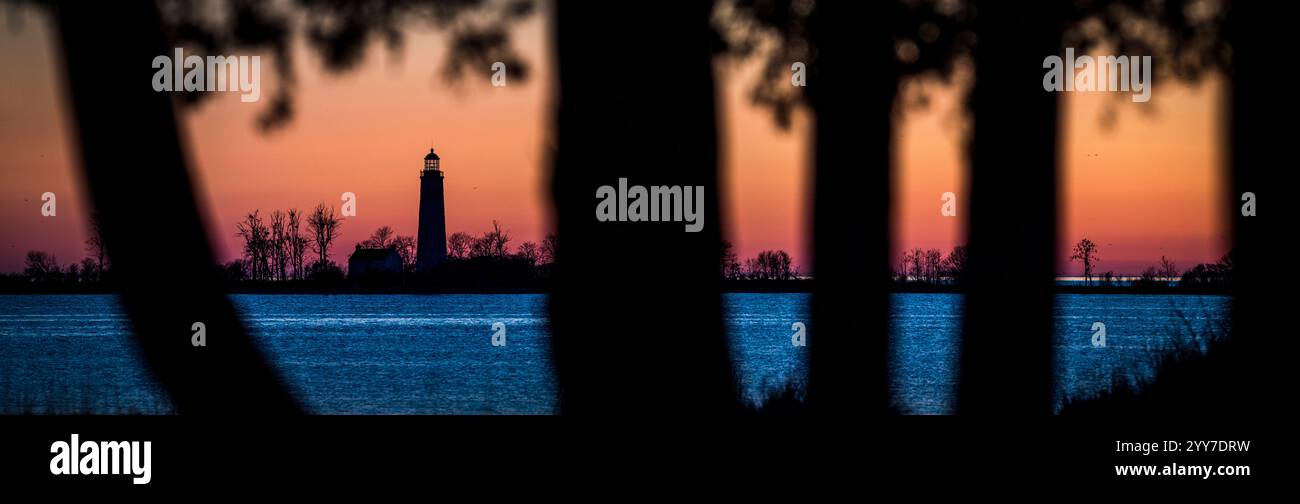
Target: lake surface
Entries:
(398, 354)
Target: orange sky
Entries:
(764, 170)
(1147, 191)
(1148, 186)
(1142, 188)
(367, 132)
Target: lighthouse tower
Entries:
(431, 244)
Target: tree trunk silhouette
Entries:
(140, 174)
(1259, 142)
(851, 89)
(636, 310)
(1006, 360)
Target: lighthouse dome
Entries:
(432, 156)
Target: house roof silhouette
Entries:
(370, 254)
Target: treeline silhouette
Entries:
(1205, 277)
(274, 250)
(925, 268)
(42, 272)
(767, 265)
(930, 266)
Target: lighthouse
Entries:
(431, 243)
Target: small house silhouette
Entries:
(365, 261)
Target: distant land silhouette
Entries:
(486, 262)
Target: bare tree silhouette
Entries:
(255, 235)
(729, 267)
(323, 224)
(458, 245)
(1168, 270)
(38, 265)
(528, 251)
(381, 238)
(297, 245)
(405, 246)
(954, 265)
(95, 246)
(278, 244)
(1085, 252)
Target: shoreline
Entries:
(725, 287)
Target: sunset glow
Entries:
(1142, 188)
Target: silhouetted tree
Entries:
(529, 253)
(72, 274)
(852, 153)
(256, 245)
(1006, 368)
(40, 266)
(1149, 278)
(933, 271)
(1085, 252)
(954, 265)
(90, 271)
(730, 267)
(233, 271)
(547, 251)
(497, 241)
(1257, 35)
(226, 378)
(916, 264)
(381, 238)
(459, 245)
(493, 244)
(405, 246)
(769, 265)
(1168, 270)
(324, 226)
(95, 246)
(1217, 274)
(278, 245)
(905, 266)
(669, 286)
(297, 243)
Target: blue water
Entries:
(1139, 330)
(395, 354)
